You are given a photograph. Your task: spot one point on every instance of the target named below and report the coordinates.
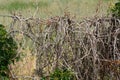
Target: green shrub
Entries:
(8, 52)
(116, 9)
(61, 74)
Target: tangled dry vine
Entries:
(90, 48)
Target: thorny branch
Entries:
(90, 48)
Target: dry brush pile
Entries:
(90, 49)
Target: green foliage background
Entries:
(116, 9)
(61, 74)
(8, 53)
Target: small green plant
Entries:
(8, 53)
(61, 74)
(116, 9)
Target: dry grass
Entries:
(25, 67)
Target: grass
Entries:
(81, 8)
(18, 5)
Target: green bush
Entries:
(61, 74)
(116, 9)
(8, 52)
